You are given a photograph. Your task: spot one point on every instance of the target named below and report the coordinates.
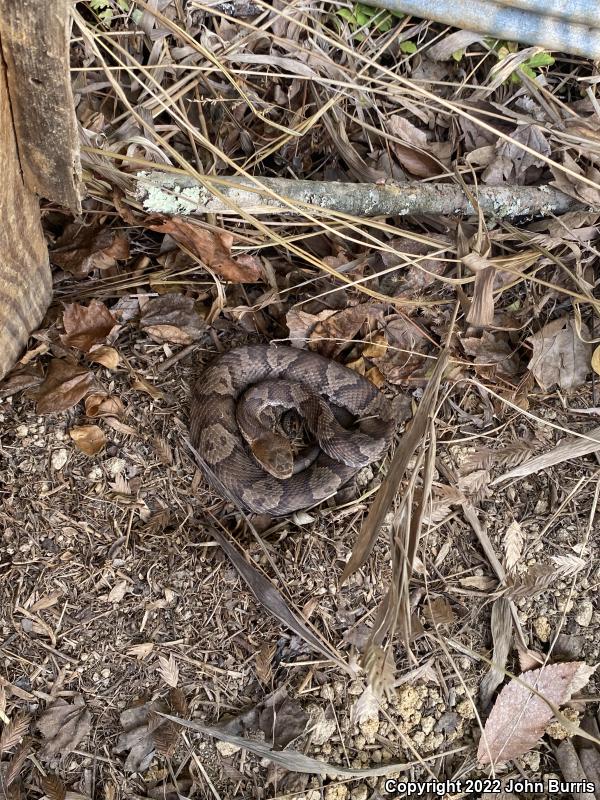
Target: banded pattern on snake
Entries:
(216, 434)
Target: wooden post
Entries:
(39, 156)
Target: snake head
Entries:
(274, 453)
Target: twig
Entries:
(168, 193)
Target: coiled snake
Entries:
(261, 378)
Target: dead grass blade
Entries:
(266, 594)
(573, 447)
(502, 627)
(290, 759)
(404, 453)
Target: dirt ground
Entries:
(118, 602)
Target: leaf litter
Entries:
(105, 511)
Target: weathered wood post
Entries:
(39, 157)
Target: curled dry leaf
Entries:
(212, 248)
(560, 356)
(100, 404)
(90, 439)
(172, 318)
(519, 717)
(80, 249)
(105, 355)
(64, 386)
(63, 726)
(86, 326)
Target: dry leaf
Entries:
(330, 335)
(85, 326)
(514, 165)
(63, 726)
(301, 324)
(117, 593)
(365, 708)
(103, 405)
(559, 355)
(90, 439)
(64, 386)
(140, 651)
(212, 248)
(137, 738)
(519, 717)
(105, 355)
(493, 354)
(80, 249)
(172, 318)
(282, 720)
(413, 152)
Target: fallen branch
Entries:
(181, 195)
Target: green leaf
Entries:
(540, 60)
(458, 54)
(408, 47)
(346, 14)
(362, 19)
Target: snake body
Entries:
(217, 438)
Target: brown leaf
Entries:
(63, 725)
(172, 318)
(19, 379)
(329, 336)
(100, 404)
(81, 249)
(301, 324)
(414, 151)
(493, 354)
(90, 439)
(105, 355)
(64, 386)
(212, 248)
(559, 355)
(282, 720)
(519, 717)
(137, 738)
(586, 194)
(512, 164)
(85, 326)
